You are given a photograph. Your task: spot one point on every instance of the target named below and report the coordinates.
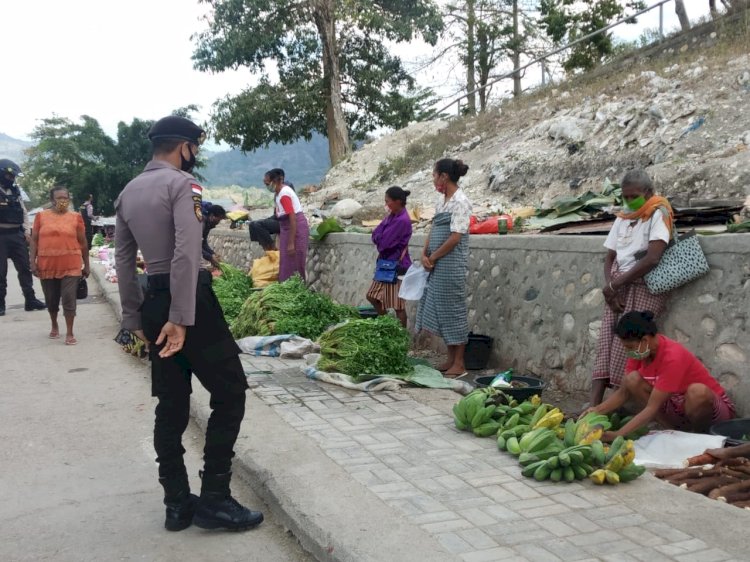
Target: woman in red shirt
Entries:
(670, 384)
(294, 232)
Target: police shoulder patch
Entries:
(197, 200)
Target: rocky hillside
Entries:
(686, 119)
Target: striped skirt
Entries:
(387, 295)
(610, 354)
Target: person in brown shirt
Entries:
(180, 319)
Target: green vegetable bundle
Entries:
(97, 240)
(232, 289)
(363, 348)
(289, 308)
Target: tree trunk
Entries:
(483, 62)
(336, 127)
(679, 8)
(471, 98)
(516, 52)
(712, 8)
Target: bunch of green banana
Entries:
(476, 412)
(616, 462)
(586, 430)
(551, 420)
(558, 463)
(466, 408)
(619, 422)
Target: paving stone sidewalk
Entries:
(457, 489)
(473, 499)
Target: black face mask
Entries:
(7, 182)
(187, 165)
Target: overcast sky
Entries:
(118, 60)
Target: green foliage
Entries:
(363, 348)
(289, 308)
(232, 289)
(376, 90)
(83, 158)
(568, 20)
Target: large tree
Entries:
(486, 35)
(566, 21)
(324, 66)
(82, 157)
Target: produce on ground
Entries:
(546, 448)
(289, 308)
(97, 240)
(232, 288)
(726, 476)
(366, 347)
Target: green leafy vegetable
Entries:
(325, 228)
(97, 240)
(232, 289)
(289, 308)
(363, 348)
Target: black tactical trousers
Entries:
(13, 247)
(212, 355)
(261, 231)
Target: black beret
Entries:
(174, 127)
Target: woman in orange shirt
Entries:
(59, 257)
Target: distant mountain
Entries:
(13, 148)
(304, 163)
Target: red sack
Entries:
(489, 225)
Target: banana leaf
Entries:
(739, 227)
(325, 228)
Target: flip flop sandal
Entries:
(71, 341)
(54, 335)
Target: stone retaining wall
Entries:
(539, 297)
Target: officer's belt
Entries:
(15, 230)
(160, 281)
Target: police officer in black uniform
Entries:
(180, 318)
(14, 237)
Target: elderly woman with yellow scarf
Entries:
(635, 245)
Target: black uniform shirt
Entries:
(160, 213)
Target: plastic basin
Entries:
(733, 430)
(535, 386)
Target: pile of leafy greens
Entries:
(366, 347)
(232, 288)
(289, 308)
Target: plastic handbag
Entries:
(682, 262)
(413, 283)
(83, 289)
(385, 271)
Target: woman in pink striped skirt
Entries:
(294, 231)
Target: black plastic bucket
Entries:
(367, 312)
(477, 352)
(534, 386)
(733, 430)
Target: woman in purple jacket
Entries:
(391, 237)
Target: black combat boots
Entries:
(180, 503)
(217, 509)
(34, 304)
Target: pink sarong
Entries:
(289, 264)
